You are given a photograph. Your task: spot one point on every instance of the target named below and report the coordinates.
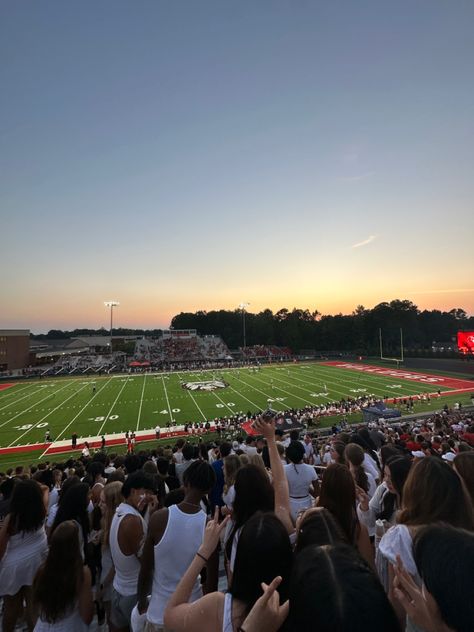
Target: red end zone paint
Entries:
(423, 378)
(4, 386)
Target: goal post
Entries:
(391, 359)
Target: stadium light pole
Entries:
(111, 304)
(242, 306)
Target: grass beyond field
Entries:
(93, 406)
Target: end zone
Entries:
(5, 386)
(456, 384)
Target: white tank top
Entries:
(69, 623)
(173, 554)
(127, 567)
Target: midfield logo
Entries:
(211, 385)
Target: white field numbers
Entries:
(29, 426)
(44, 424)
(99, 419)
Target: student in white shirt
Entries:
(387, 498)
(301, 477)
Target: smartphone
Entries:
(268, 414)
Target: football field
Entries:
(114, 404)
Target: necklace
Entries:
(185, 502)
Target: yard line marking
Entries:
(243, 396)
(323, 374)
(216, 395)
(239, 394)
(111, 408)
(167, 400)
(74, 418)
(326, 379)
(195, 402)
(267, 396)
(19, 400)
(8, 392)
(314, 384)
(47, 415)
(308, 401)
(35, 404)
(141, 402)
(306, 390)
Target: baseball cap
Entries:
(449, 456)
(418, 454)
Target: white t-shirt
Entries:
(250, 449)
(299, 476)
(372, 484)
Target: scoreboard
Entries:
(466, 342)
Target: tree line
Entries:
(303, 329)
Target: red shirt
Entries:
(469, 437)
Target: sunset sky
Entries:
(192, 155)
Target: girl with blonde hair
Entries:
(110, 499)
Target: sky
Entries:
(182, 155)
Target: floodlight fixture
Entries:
(111, 304)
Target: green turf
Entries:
(135, 402)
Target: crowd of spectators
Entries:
(368, 528)
(185, 351)
(266, 352)
(311, 415)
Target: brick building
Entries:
(14, 349)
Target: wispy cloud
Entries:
(356, 178)
(369, 240)
(452, 291)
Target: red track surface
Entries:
(4, 386)
(80, 444)
(402, 374)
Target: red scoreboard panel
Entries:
(466, 342)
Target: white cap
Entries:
(418, 454)
(449, 456)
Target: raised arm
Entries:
(156, 528)
(280, 482)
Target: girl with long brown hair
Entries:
(62, 587)
(433, 492)
(338, 495)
